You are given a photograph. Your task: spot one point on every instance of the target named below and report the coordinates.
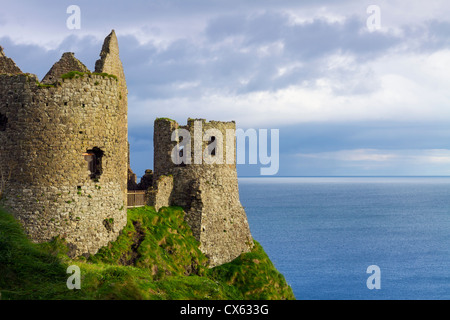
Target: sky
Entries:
(353, 90)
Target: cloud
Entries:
(353, 155)
(301, 66)
(312, 71)
(374, 161)
(406, 88)
(33, 58)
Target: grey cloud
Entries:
(433, 35)
(309, 40)
(227, 58)
(31, 58)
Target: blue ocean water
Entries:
(323, 233)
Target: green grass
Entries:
(254, 275)
(77, 74)
(72, 75)
(167, 119)
(27, 270)
(155, 257)
(48, 85)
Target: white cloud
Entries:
(358, 155)
(261, 63)
(420, 161)
(407, 88)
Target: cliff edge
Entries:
(155, 257)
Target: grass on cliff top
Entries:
(155, 257)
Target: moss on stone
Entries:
(46, 85)
(167, 119)
(72, 74)
(78, 74)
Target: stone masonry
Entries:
(7, 65)
(64, 152)
(209, 193)
(67, 64)
(64, 160)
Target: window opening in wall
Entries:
(3, 122)
(213, 149)
(181, 152)
(94, 159)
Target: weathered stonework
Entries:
(64, 154)
(110, 63)
(66, 64)
(209, 193)
(7, 65)
(160, 196)
(64, 161)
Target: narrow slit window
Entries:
(212, 149)
(181, 152)
(3, 122)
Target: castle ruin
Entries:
(64, 161)
(63, 149)
(208, 192)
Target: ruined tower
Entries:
(63, 149)
(207, 190)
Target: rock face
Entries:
(208, 192)
(64, 152)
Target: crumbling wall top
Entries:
(110, 62)
(66, 64)
(7, 65)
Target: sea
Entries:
(354, 238)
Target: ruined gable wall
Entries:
(7, 65)
(110, 63)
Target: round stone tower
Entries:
(63, 150)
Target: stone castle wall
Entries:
(209, 193)
(63, 157)
(64, 161)
(110, 63)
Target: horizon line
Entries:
(385, 176)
